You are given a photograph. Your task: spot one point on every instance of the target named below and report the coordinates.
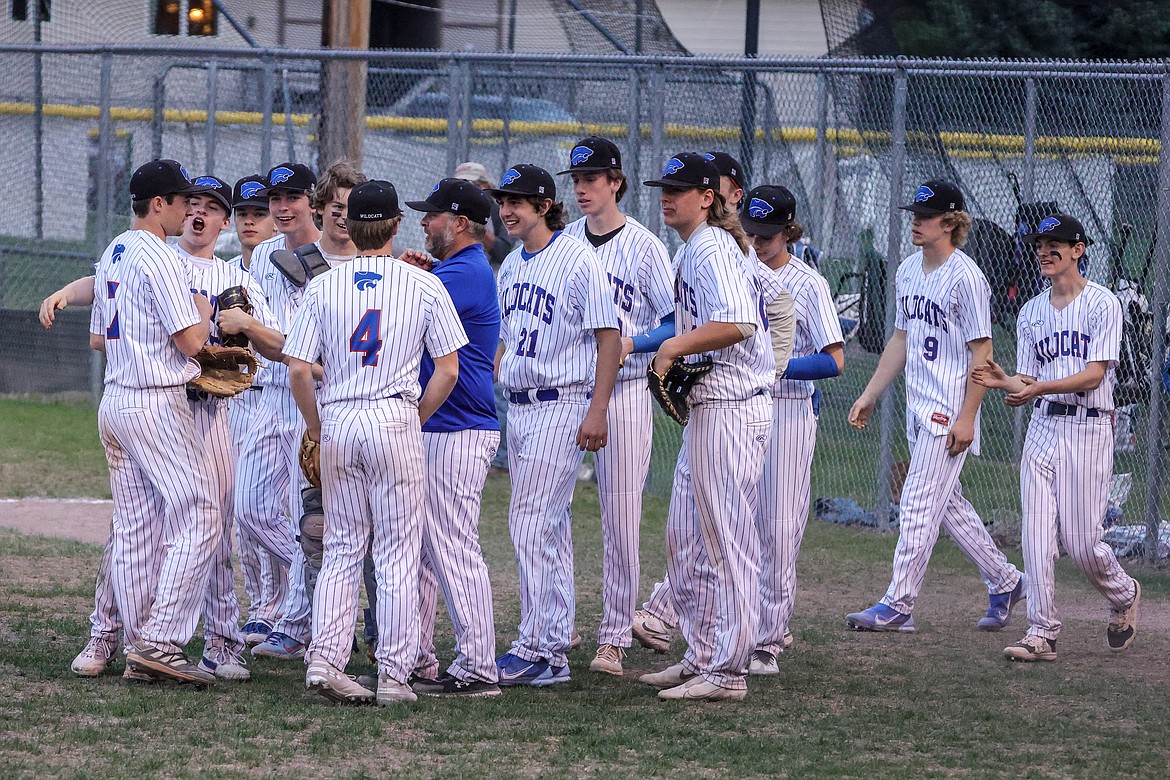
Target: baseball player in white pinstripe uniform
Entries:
(368, 324)
(642, 285)
(711, 538)
(460, 439)
(1067, 353)
(769, 220)
(209, 215)
(942, 329)
(165, 520)
(558, 358)
(265, 577)
(269, 477)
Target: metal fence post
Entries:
(465, 110)
(159, 118)
(102, 229)
(267, 86)
(209, 140)
(657, 129)
(1029, 196)
(821, 209)
(633, 162)
(1158, 296)
(885, 464)
(453, 114)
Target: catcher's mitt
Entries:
(310, 458)
(671, 389)
(224, 371)
(234, 298)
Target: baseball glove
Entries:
(224, 371)
(234, 298)
(671, 389)
(310, 458)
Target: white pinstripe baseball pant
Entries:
(166, 524)
(543, 460)
(783, 514)
(268, 497)
(711, 539)
(1064, 484)
(621, 478)
(932, 497)
(265, 577)
(457, 466)
(372, 477)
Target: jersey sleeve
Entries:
(974, 299)
(97, 311)
(1026, 361)
(1105, 328)
(304, 337)
(821, 320)
(503, 282)
(170, 283)
(657, 278)
(444, 333)
(591, 292)
(722, 289)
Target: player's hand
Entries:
(592, 434)
(990, 375)
(663, 358)
(203, 306)
(314, 433)
(627, 348)
(418, 259)
(1032, 390)
(961, 435)
(56, 302)
(862, 408)
(234, 320)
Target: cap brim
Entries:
(422, 205)
(588, 169)
(264, 193)
(767, 229)
(254, 202)
(498, 191)
(1030, 238)
(924, 210)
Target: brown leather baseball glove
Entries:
(671, 389)
(225, 371)
(310, 458)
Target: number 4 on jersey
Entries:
(365, 337)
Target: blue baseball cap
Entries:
(247, 192)
(935, 197)
(767, 210)
(593, 154)
(688, 170)
(217, 188)
(526, 180)
(1062, 227)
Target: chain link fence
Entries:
(852, 138)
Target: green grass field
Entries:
(941, 703)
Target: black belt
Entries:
(526, 396)
(1055, 409)
(196, 395)
(256, 387)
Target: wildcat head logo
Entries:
(1047, 225)
(250, 189)
(280, 175)
(673, 165)
(580, 155)
(366, 280)
(759, 208)
(210, 182)
(510, 176)
(924, 193)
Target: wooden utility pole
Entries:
(345, 24)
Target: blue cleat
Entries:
(880, 617)
(255, 632)
(999, 613)
(279, 645)
(514, 670)
(552, 675)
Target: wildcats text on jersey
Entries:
(919, 307)
(1063, 343)
(526, 297)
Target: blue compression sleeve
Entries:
(650, 342)
(820, 365)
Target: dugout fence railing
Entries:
(852, 138)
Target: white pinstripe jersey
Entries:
(284, 297)
(238, 262)
(716, 282)
(142, 296)
(941, 312)
(639, 273)
(817, 324)
(550, 303)
(368, 322)
(210, 277)
(1056, 344)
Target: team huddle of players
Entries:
(389, 362)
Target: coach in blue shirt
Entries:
(460, 440)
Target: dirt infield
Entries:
(82, 519)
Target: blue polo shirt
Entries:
(472, 404)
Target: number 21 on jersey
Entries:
(365, 337)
